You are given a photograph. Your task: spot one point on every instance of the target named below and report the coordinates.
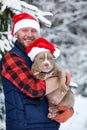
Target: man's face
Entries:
(26, 35)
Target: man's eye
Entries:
(24, 30)
(34, 30)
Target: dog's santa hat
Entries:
(24, 20)
(41, 45)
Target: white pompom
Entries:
(56, 53)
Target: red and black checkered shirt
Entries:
(15, 69)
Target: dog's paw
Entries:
(52, 115)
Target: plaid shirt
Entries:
(15, 69)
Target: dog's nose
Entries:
(46, 64)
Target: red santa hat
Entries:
(41, 45)
(24, 20)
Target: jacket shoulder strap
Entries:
(23, 55)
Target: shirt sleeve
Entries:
(15, 69)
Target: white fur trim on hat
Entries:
(56, 53)
(35, 51)
(26, 23)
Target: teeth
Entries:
(28, 41)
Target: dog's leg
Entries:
(53, 110)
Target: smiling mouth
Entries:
(27, 41)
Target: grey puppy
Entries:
(43, 67)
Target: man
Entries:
(25, 101)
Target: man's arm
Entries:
(15, 69)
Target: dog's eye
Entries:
(50, 58)
(41, 58)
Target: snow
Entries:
(79, 119)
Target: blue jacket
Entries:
(23, 112)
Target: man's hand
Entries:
(64, 115)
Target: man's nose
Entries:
(29, 33)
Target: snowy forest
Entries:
(64, 23)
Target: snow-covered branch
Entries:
(17, 7)
(21, 6)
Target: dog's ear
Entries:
(34, 67)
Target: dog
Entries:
(45, 66)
